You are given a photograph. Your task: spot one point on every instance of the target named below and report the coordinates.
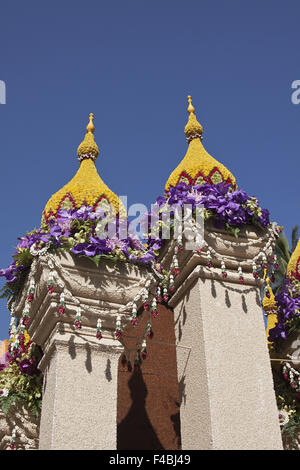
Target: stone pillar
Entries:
(79, 409)
(225, 382)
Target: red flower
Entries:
(61, 310)
(99, 335)
(77, 324)
(150, 334)
(30, 297)
(25, 320)
(144, 354)
(118, 334)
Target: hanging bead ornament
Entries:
(12, 444)
(267, 292)
(254, 271)
(99, 329)
(144, 350)
(118, 331)
(149, 331)
(78, 319)
(165, 294)
(224, 272)
(133, 320)
(179, 243)
(175, 263)
(158, 294)
(62, 305)
(154, 311)
(50, 283)
(264, 261)
(30, 296)
(241, 276)
(146, 303)
(171, 283)
(209, 259)
(12, 325)
(25, 317)
(21, 336)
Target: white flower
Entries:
(5, 392)
(283, 417)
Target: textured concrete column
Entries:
(79, 409)
(224, 373)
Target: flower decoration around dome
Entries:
(86, 188)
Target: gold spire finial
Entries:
(88, 147)
(90, 127)
(193, 129)
(191, 108)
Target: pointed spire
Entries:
(88, 147)
(193, 129)
(269, 305)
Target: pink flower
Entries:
(30, 297)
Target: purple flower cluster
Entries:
(67, 224)
(227, 206)
(288, 303)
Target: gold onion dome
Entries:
(293, 269)
(86, 188)
(198, 167)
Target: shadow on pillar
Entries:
(148, 411)
(136, 431)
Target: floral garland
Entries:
(288, 312)
(74, 231)
(20, 378)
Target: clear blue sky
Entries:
(132, 63)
